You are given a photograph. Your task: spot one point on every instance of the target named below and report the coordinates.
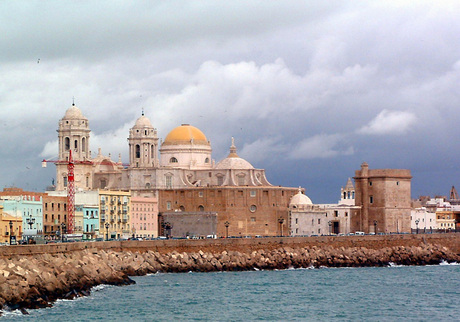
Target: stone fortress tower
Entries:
(384, 196)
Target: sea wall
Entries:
(35, 276)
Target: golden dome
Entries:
(186, 134)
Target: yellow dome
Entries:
(186, 134)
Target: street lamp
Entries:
(30, 221)
(375, 227)
(11, 232)
(226, 227)
(168, 226)
(281, 221)
(416, 224)
(62, 231)
(107, 231)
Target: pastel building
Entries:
(90, 222)
(114, 210)
(28, 208)
(144, 217)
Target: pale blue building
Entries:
(29, 208)
(90, 222)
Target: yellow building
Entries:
(6, 228)
(114, 214)
(445, 219)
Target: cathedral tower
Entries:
(143, 144)
(74, 134)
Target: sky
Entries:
(309, 89)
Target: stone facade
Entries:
(184, 224)
(249, 211)
(384, 196)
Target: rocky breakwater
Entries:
(38, 280)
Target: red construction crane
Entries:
(70, 195)
(71, 187)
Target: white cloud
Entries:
(389, 123)
(320, 147)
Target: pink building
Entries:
(144, 218)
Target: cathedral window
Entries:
(75, 145)
(138, 151)
(67, 144)
(168, 182)
(253, 208)
(220, 180)
(173, 160)
(83, 144)
(253, 193)
(206, 160)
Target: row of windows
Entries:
(174, 160)
(75, 144)
(58, 206)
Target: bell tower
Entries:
(74, 134)
(143, 144)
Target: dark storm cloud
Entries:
(308, 92)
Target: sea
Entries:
(394, 293)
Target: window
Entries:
(173, 160)
(168, 205)
(200, 194)
(371, 199)
(220, 180)
(370, 183)
(200, 208)
(397, 183)
(138, 151)
(297, 220)
(67, 144)
(253, 208)
(253, 219)
(206, 160)
(319, 221)
(253, 193)
(168, 182)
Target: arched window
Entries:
(75, 145)
(138, 151)
(206, 160)
(83, 144)
(200, 208)
(182, 208)
(67, 144)
(173, 160)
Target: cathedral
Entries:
(180, 172)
